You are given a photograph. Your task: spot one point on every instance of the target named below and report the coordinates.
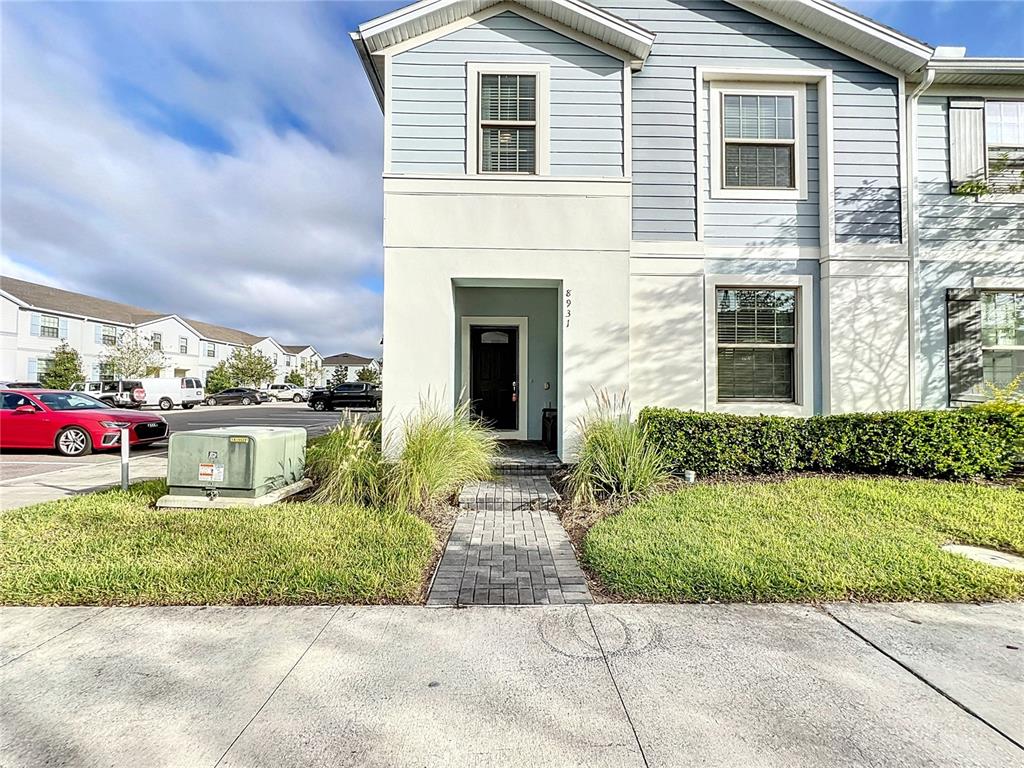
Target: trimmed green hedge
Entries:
(952, 444)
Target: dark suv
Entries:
(357, 394)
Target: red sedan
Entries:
(73, 423)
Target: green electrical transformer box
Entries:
(239, 462)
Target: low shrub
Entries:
(954, 444)
(615, 459)
(441, 451)
(347, 466)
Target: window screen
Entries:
(508, 123)
(758, 141)
(756, 333)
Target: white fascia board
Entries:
(426, 18)
(15, 299)
(847, 33)
(368, 66)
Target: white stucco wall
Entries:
(573, 235)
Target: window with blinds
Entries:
(508, 123)
(759, 142)
(1002, 337)
(756, 334)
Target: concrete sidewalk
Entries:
(606, 685)
(77, 478)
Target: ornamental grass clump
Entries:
(616, 459)
(441, 452)
(347, 466)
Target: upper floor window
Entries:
(758, 141)
(49, 326)
(108, 335)
(211, 349)
(157, 340)
(508, 123)
(756, 335)
(511, 106)
(1004, 145)
(1002, 336)
(183, 345)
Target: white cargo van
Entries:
(167, 393)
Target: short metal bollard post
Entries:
(124, 458)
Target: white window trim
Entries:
(803, 355)
(523, 326)
(543, 117)
(716, 139)
(999, 347)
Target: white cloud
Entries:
(281, 236)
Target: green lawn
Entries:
(810, 539)
(115, 548)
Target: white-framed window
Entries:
(1002, 336)
(49, 327)
(508, 107)
(106, 371)
(288, 361)
(157, 340)
(1004, 144)
(759, 346)
(275, 358)
(108, 335)
(758, 140)
(211, 349)
(756, 344)
(183, 345)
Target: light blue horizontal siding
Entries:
(714, 33)
(428, 98)
(765, 222)
(945, 217)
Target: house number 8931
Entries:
(568, 306)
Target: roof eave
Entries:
(376, 78)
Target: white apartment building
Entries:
(35, 319)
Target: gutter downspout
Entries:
(913, 281)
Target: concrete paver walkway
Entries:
(599, 685)
(506, 550)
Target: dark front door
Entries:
(494, 374)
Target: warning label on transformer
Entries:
(211, 472)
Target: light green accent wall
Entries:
(540, 306)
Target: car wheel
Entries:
(73, 441)
(211, 401)
(188, 406)
(319, 405)
(166, 404)
(297, 399)
(246, 401)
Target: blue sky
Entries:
(222, 160)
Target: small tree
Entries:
(340, 375)
(250, 367)
(218, 379)
(133, 356)
(310, 372)
(368, 374)
(294, 377)
(64, 369)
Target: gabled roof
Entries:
(374, 37)
(48, 298)
(45, 297)
(846, 29)
(347, 358)
(294, 349)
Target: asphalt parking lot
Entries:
(15, 465)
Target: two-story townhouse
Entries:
(350, 364)
(704, 203)
(34, 319)
(306, 360)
